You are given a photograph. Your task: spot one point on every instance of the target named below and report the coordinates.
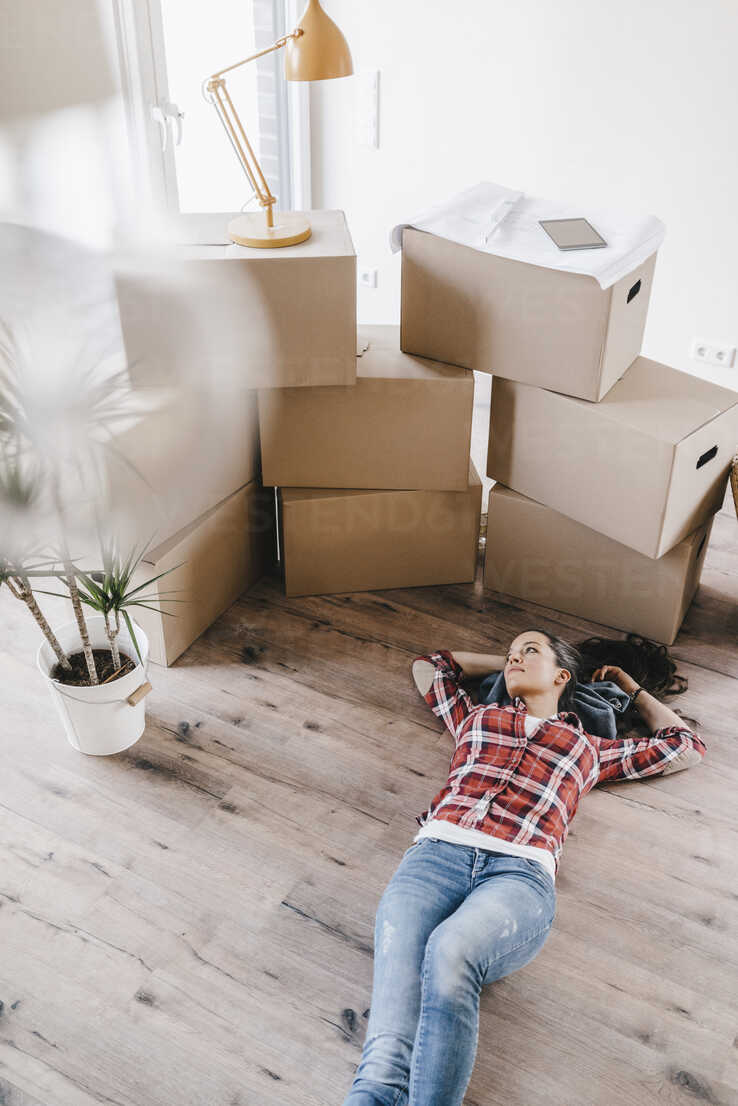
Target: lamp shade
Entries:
(321, 52)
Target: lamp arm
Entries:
(221, 100)
(276, 46)
(233, 127)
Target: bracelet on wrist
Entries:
(635, 694)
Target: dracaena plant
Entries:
(17, 578)
(111, 593)
(20, 560)
(60, 404)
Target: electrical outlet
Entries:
(711, 353)
(368, 278)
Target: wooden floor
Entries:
(190, 923)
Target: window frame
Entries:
(142, 59)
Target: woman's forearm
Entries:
(654, 713)
(480, 664)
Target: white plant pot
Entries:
(98, 720)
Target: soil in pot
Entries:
(107, 672)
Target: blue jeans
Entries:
(452, 918)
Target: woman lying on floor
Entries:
(473, 898)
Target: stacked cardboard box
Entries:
(214, 559)
(209, 310)
(187, 481)
(376, 486)
(610, 466)
(557, 330)
(368, 448)
(210, 322)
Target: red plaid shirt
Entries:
(527, 789)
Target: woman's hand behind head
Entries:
(617, 675)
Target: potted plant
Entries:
(53, 444)
(109, 715)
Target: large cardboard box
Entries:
(405, 423)
(338, 540)
(541, 326)
(219, 555)
(223, 313)
(646, 465)
(192, 450)
(540, 555)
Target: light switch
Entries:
(368, 120)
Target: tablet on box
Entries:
(573, 234)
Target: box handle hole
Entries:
(634, 291)
(700, 547)
(708, 456)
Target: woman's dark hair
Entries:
(567, 656)
(646, 661)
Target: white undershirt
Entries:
(460, 835)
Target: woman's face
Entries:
(530, 666)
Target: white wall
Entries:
(624, 103)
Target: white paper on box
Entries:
(501, 221)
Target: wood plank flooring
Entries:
(191, 922)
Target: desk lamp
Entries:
(315, 51)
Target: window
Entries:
(187, 163)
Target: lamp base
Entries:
(251, 230)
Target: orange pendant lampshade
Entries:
(321, 52)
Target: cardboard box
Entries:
(334, 540)
(540, 555)
(261, 317)
(189, 453)
(541, 326)
(225, 551)
(646, 465)
(405, 423)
